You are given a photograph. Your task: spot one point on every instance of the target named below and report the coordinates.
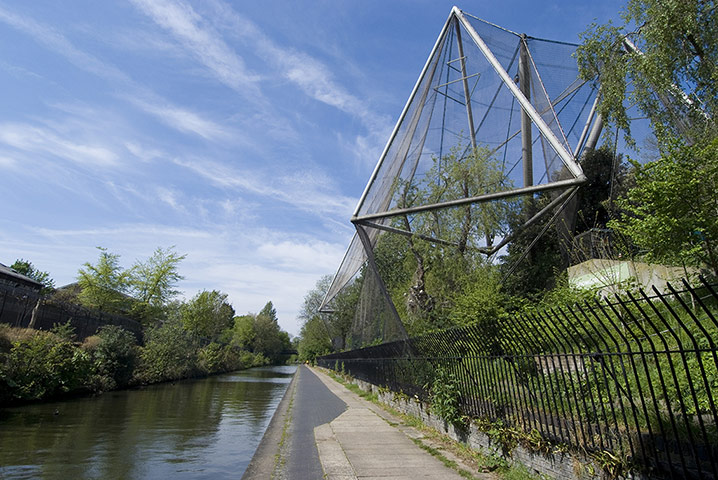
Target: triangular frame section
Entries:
(371, 220)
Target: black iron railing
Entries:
(636, 377)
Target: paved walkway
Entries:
(361, 443)
(321, 430)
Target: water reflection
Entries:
(195, 429)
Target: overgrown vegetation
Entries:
(37, 365)
(180, 339)
(618, 368)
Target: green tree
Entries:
(268, 339)
(26, 268)
(673, 78)
(607, 179)
(314, 340)
(115, 356)
(528, 273)
(153, 283)
(207, 314)
(170, 352)
(594, 206)
(672, 212)
(461, 174)
(482, 301)
(269, 311)
(103, 285)
(314, 298)
(423, 276)
(243, 332)
(338, 322)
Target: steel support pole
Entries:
(478, 199)
(525, 86)
(584, 132)
(374, 174)
(565, 155)
(467, 95)
(595, 133)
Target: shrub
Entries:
(170, 353)
(249, 359)
(211, 358)
(445, 396)
(114, 356)
(44, 365)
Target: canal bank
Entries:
(322, 430)
(192, 429)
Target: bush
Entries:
(43, 366)
(114, 356)
(445, 395)
(170, 353)
(249, 360)
(212, 358)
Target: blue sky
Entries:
(241, 132)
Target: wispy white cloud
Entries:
(146, 200)
(19, 72)
(136, 41)
(55, 41)
(170, 197)
(144, 153)
(207, 46)
(127, 230)
(33, 139)
(180, 118)
(309, 255)
(174, 116)
(7, 162)
(312, 76)
(315, 79)
(309, 191)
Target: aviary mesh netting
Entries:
(495, 119)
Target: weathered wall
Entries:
(16, 309)
(607, 275)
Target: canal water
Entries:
(193, 429)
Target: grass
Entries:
(279, 459)
(448, 463)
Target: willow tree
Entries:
(104, 285)
(425, 276)
(664, 60)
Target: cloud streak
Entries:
(180, 119)
(307, 191)
(172, 115)
(206, 46)
(32, 139)
(311, 75)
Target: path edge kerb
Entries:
(265, 457)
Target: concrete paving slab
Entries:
(370, 446)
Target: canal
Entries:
(193, 429)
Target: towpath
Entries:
(322, 430)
